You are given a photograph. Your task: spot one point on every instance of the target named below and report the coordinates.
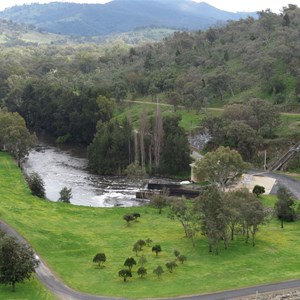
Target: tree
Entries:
(142, 272)
(220, 82)
(243, 138)
(258, 190)
(175, 155)
(265, 117)
(173, 98)
(237, 112)
(99, 258)
(233, 201)
(106, 108)
(253, 215)
(181, 212)
(14, 136)
(129, 262)
(158, 271)
(148, 242)
(284, 206)
(171, 265)
(143, 260)
(182, 258)
(136, 248)
(158, 201)
(124, 273)
(215, 128)
(142, 243)
(156, 249)
(65, 195)
(158, 134)
(221, 167)
(110, 151)
(176, 253)
(36, 185)
(211, 207)
(136, 173)
(17, 262)
(129, 218)
(136, 215)
(143, 130)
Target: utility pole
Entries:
(265, 161)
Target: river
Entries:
(60, 167)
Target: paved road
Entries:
(63, 292)
(292, 184)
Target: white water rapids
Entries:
(59, 168)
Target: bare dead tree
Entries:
(143, 131)
(157, 136)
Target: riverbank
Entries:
(63, 167)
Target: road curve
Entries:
(291, 184)
(63, 292)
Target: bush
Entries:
(36, 185)
(65, 195)
(258, 190)
(99, 258)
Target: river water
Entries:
(60, 167)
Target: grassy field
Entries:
(289, 122)
(290, 125)
(67, 237)
(190, 120)
(30, 290)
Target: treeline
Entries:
(248, 58)
(192, 69)
(159, 145)
(63, 113)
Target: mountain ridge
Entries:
(118, 16)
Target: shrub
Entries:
(36, 185)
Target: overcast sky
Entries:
(228, 5)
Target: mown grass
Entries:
(30, 290)
(67, 237)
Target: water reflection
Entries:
(60, 168)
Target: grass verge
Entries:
(30, 290)
(68, 237)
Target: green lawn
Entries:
(30, 290)
(67, 237)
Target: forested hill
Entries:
(13, 34)
(55, 88)
(119, 16)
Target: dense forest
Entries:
(66, 90)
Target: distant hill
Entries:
(119, 16)
(13, 34)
